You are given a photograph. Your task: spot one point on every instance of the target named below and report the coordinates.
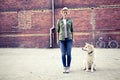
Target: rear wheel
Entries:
(113, 44)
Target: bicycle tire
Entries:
(113, 44)
(100, 44)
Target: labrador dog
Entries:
(89, 61)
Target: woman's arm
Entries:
(72, 30)
(58, 29)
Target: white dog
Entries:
(89, 62)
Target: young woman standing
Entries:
(65, 37)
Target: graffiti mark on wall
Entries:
(24, 19)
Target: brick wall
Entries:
(27, 23)
(18, 31)
(13, 5)
(107, 18)
(85, 3)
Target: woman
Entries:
(65, 37)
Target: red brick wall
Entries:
(107, 18)
(85, 3)
(12, 35)
(27, 23)
(7, 20)
(24, 4)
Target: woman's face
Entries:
(64, 13)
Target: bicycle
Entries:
(111, 43)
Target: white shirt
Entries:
(65, 27)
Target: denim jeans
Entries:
(66, 47)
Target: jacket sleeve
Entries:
(58, 26)
(72, 27)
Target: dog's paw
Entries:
(92, 71)
(87, 70)
(83, 68)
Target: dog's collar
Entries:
(90, 52)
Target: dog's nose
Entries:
(82, 48)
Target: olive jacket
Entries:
(61, 30)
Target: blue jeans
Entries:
(66, 47)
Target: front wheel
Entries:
(100, 44)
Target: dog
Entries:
(89, 62)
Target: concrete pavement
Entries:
(45, 64)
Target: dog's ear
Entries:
(92, 47)
(86, 43)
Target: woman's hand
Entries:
(73, 40)
(57, 41)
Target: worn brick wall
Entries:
(14, 34)
(27, 23)
(13, 5)
(7, 20)
(107, 18)
(85, 3)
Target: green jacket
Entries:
(61, 31)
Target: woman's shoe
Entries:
(67, 69)
(64, 70)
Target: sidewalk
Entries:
(45, 64)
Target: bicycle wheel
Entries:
(100, 44)
(113, 44)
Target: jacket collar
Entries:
(66, 18)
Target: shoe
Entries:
(64, 70)
(68, 70)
